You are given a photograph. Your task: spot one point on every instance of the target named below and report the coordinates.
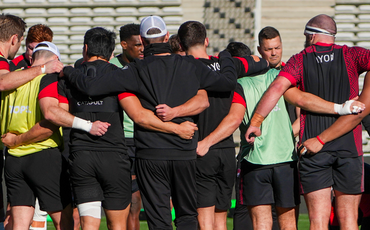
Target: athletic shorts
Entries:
(215, 178)
(276, 185)
(160, 180)
(325, 169)
(42, 175)
(101, 176)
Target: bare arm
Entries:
(193, 106)
(313, 103)
(226, 128)
(297, 123)
(148, 120)
(59, 116)
(344, 124)
(14, 79)
(39, 132)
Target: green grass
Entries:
(303, 223)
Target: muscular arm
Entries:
(344, 124)
(193, 106)
(39, 132)
(14, 79)
(315, 104)
(59, 116)
(148, 120)
(226, 128)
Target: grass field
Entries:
(303, 223)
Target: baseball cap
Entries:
(49, 47)
(150, 23)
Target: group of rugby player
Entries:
(153, 126)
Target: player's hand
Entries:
(186, 130)
(9, 140)
(251, 133)
(202, 148)
(357, 106)
(99, 128)
(313, 146)
(165, 113)
(54, 66)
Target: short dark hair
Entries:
(100, 42)
(175, 43)
(11, 25)
(192, 33)
(268, 32)
(238, 49)
(39, 33)
(126, 31)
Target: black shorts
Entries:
(159, 180)
(215, 178)
(101, 176)
(275, 185)
(131, 154)
(42, 175)
(325, 169)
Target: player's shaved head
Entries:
(323, 21)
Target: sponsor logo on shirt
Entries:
(79, 103)
(325, 58)
(276, 108)
(215, 66)
(19, 109)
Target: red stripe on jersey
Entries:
(245, 63)
(4, 65)
(63, 99)
(18, 59)
(124, 95)
(49, 91)
(238, 99)
(289, 77)
(323, 44)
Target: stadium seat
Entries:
(80, 19)
(59, 29)
(105, 10)
(60, 38)
(345, 8)
(35, 11)
(14, 11)
(127, 20)
(148, 10)
(80, 11)
(126, 11)
(364, 7)
(172, 10)
(172, 20)
(364, 26)
(54, 11)
(103, 19)
(76, 48)
(81, 29)
(32, 21)
(58, 20)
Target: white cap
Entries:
(47, 46)
(150, 23)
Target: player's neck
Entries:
(4, 49)
(94, 58)
(198, 52)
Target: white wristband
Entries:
(345, 108)
(43, 69)
(81, 124)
